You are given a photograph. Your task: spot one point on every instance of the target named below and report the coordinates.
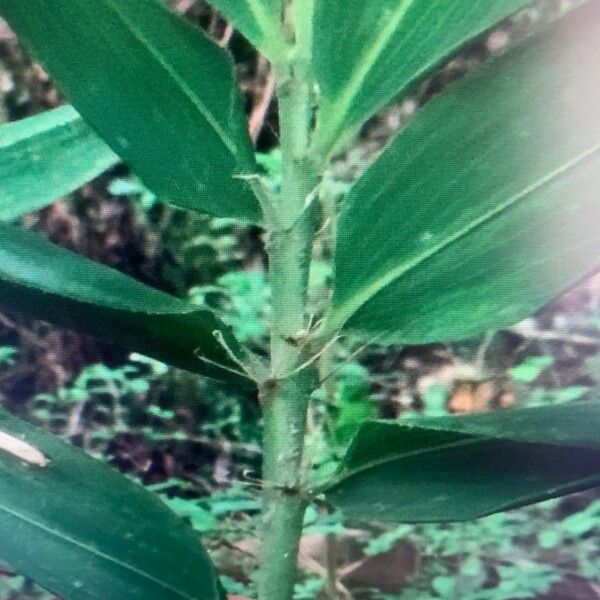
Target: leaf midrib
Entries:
(340, 107)
(340, 314)
(348, 473)
(188, 92)
(571, 486)
(471, 440)
(95, 552)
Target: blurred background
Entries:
(196, 443)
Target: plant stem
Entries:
(284, 496)
(286, 395)
(331, 564)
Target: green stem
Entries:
(286, 395)
(284, 496)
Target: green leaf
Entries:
(458, 468)
(486, 206)
(53, 284)
(354, 404)
(531, 368)
(158, 92)
(260, 21)
(45, 157)
(380, 49)
(82, 530)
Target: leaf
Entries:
(380, 49)
(45, 157)
(486, 206)
(53, 284)
(258, 20)
(82, 530)
(458, 468)
(158, 92)
(354, 404)
(531, 368)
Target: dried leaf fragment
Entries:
(26, 452)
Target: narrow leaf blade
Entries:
(258, 20)
(86, 532)
(384, 47)
(460, 468)
(158, 92)
(486, 206)
(53, 284)
(45, 157)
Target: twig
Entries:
(552, 336)
(6, 33)
(236, 548)
(483, 349)
(183, 6)
(201, 482)
(262, 102)
(226, 37)
(331, 565)
(312, 565)
(29, 337)
(75, 421)
(213, 24)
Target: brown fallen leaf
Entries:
(387, 572)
